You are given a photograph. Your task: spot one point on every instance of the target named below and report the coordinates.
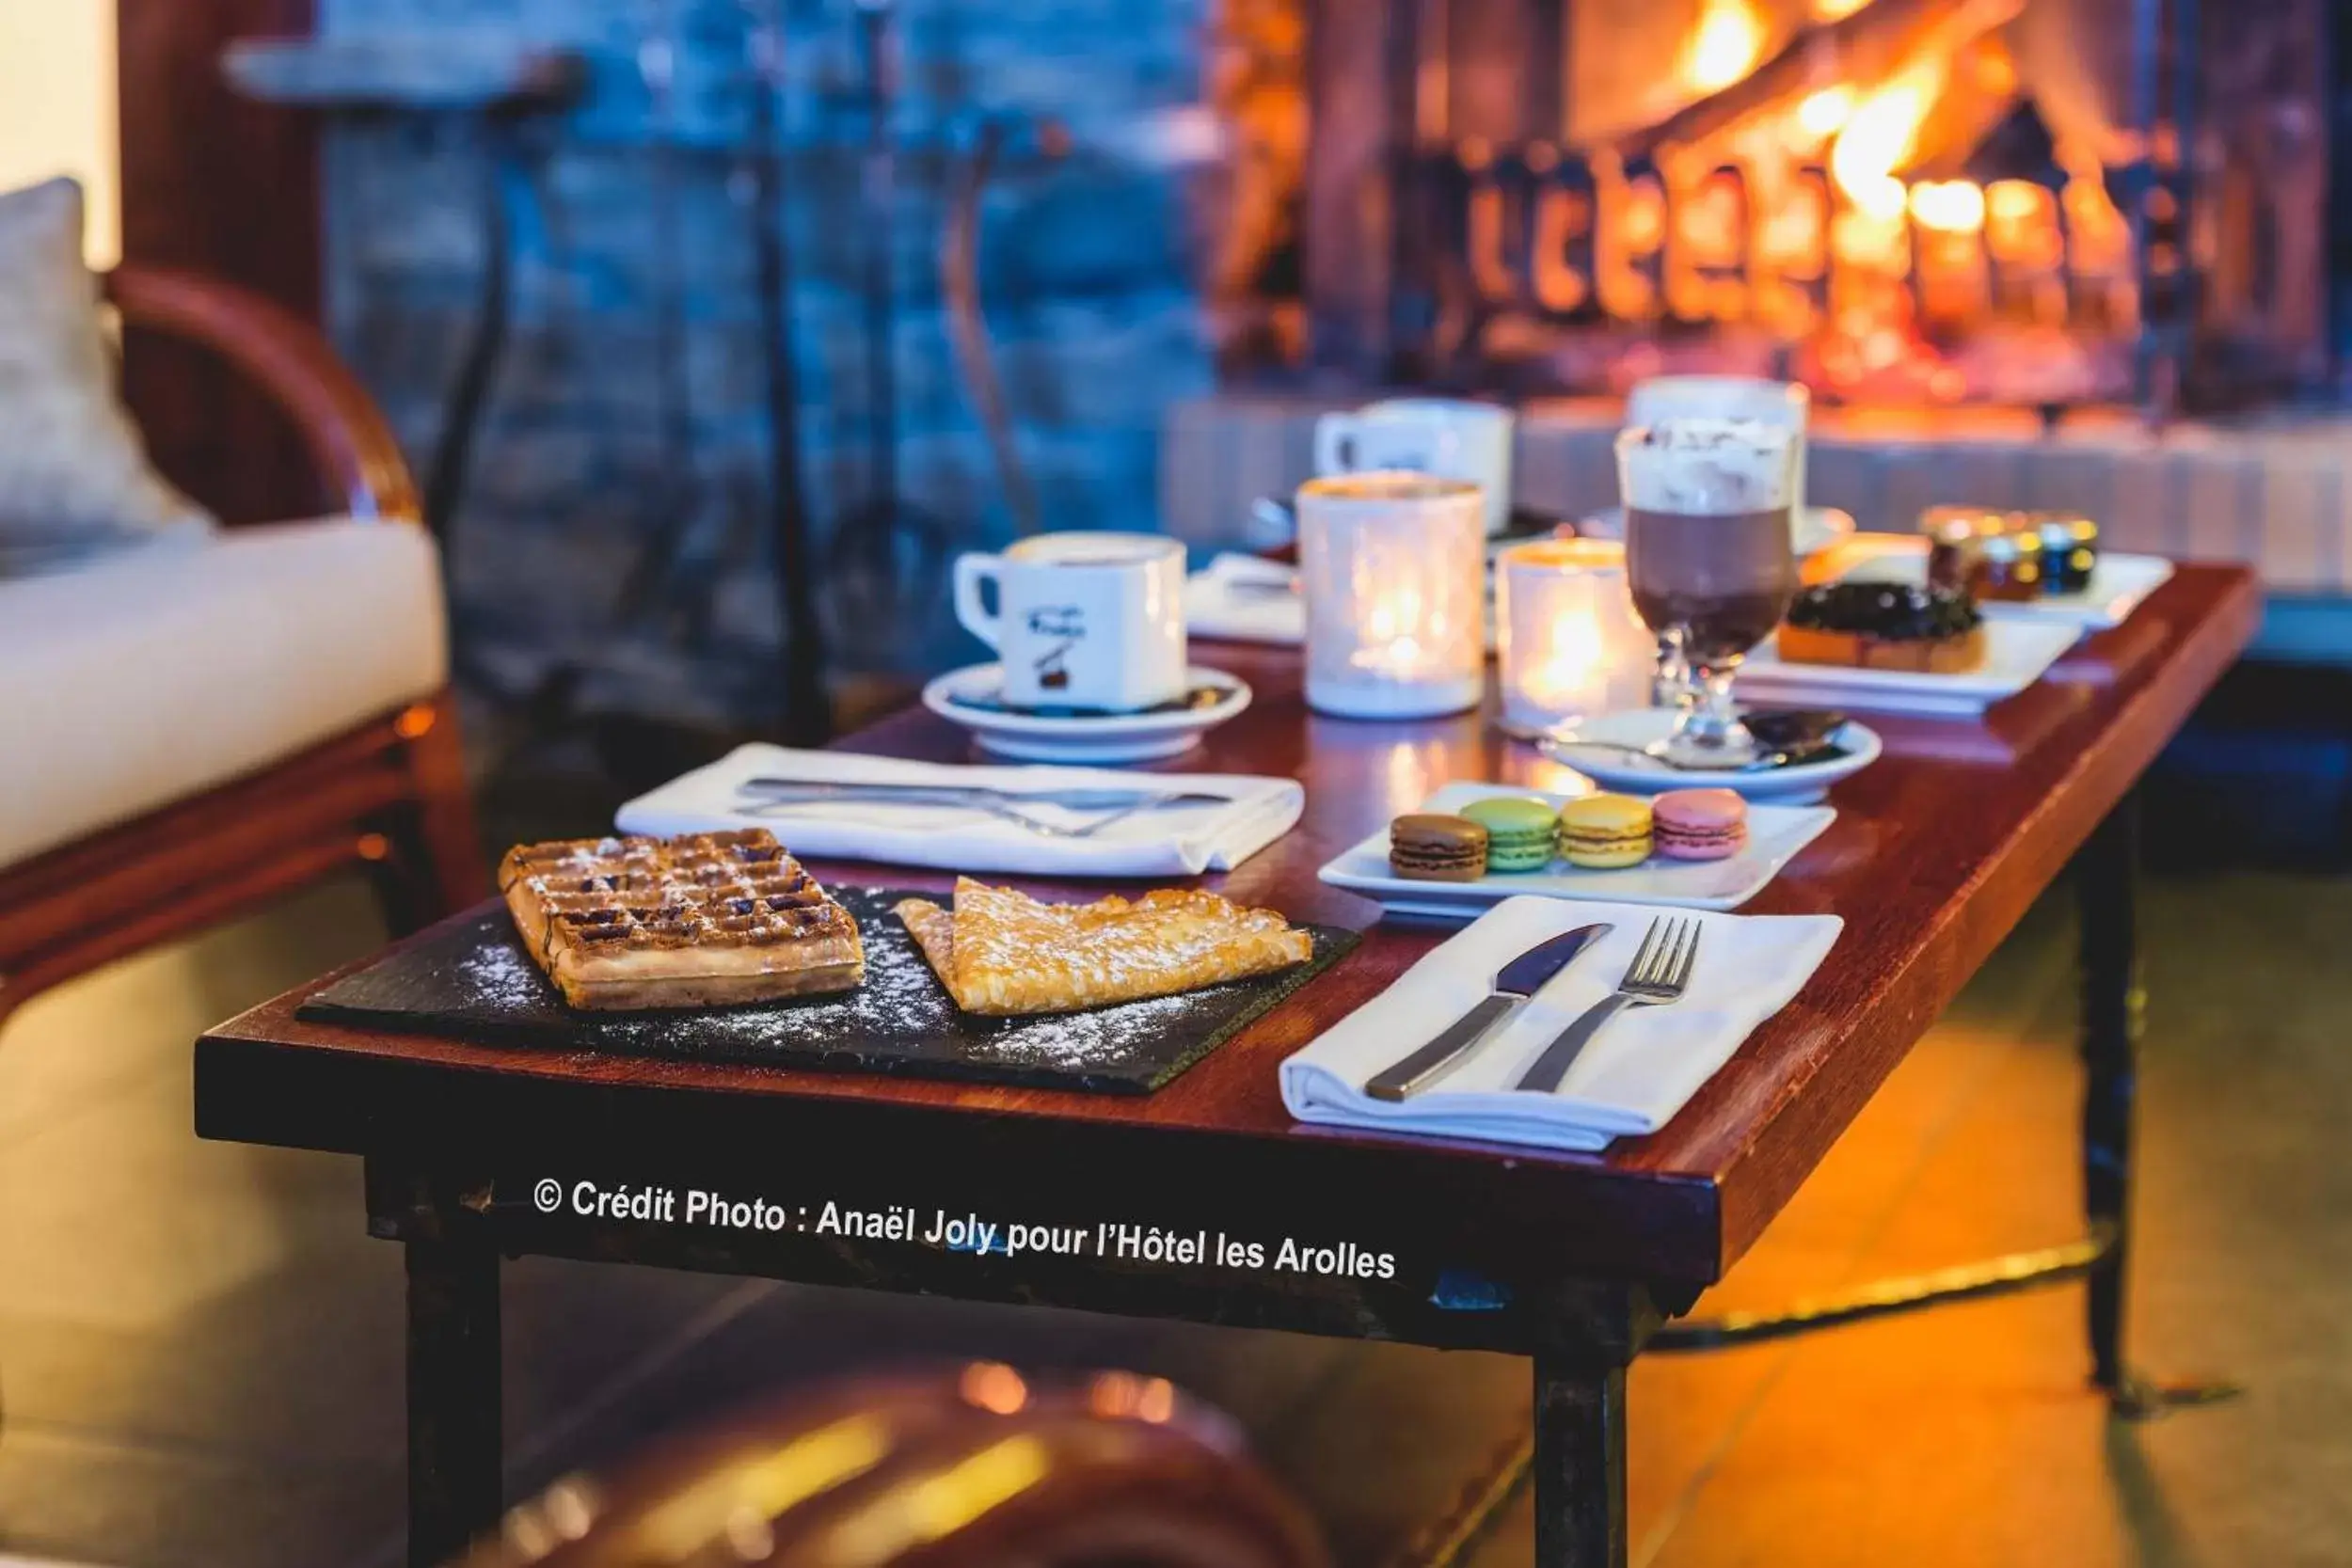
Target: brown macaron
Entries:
(1430, 847)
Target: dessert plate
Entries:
(1775, 833)
(1644, 726)
(2016, 654)
(2119, 584)
(968, 697)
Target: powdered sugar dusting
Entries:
(900, 1019)
(505, 977)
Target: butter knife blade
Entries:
(1514, 986)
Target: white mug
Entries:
(1443, 437)
(1780, 403)
(1082, 620)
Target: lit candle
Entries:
(1570, 642)
(1390, 565)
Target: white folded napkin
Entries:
(1241, 598)
(1634, 1075)
(1175, 841)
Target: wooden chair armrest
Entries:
(340, 425)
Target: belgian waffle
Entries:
(696, 921)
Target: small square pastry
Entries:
(1883, 626)
(698, 921)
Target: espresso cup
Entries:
(1445, 438)
(1082, 620)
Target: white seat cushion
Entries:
(155, 674)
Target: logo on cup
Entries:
(1066, 624)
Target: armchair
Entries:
(266, 709)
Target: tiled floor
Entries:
(199, 1354)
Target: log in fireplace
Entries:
(2031, 202)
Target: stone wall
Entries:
(595, 440)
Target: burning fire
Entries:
(1813, 217)
(1880, 134)
(1723, 47)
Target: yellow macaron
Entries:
(1605, 832)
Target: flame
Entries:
(1832, 10)
(1723, 46)
(1823, 114)
(1880, 135)
(1955, 206)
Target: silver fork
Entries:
(1003, 814)
(1660, 971)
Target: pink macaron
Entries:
(1699, 824)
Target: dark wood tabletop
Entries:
(1936, 852)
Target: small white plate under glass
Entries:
(1642, 727)
(1775, 833)
(2118, 583)
(968, 697)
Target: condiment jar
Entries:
(1955, 552)
(2070, 551)
(2013, 567)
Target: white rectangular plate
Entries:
(2119, 584)
(2016, 655)
(1775, 833)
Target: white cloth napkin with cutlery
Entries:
(1246, 599)
(1633, 1076)
(1169, 841)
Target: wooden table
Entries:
(1574, 1260)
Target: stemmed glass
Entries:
(1707, 503)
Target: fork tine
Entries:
(1654, 963)
(1637, 972)
(1690, 956)
(1662, 973)
(1641, 955)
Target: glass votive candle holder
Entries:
(1393, 569)
(1567, 640)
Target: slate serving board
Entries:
(474, 981)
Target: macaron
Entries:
(1700, 824)
(1520, 832)
(1605, 832)
(1431, 848)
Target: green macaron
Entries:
(1519, 831)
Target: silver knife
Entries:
(1518, 981)
(1074, 798)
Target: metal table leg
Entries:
(1578, 1463)
(454, 1489)
(2105, 878)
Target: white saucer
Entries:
(1614, 769)
(1103, 738)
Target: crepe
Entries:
(1002, 951)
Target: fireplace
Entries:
(2035, 203)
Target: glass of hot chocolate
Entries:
(1708, 557)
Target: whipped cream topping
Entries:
(1694, 464)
